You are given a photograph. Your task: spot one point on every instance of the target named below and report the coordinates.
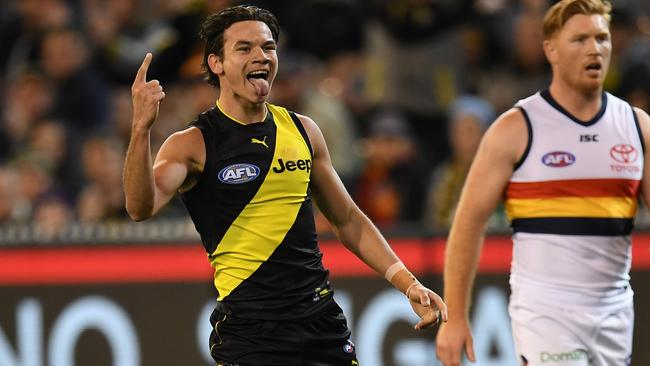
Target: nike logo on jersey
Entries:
(261, 142)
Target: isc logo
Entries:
(239, 173)
(558, 159)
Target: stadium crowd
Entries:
(402, 89)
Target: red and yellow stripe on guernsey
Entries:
(583, 198)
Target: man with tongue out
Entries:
(569, 163)
(247, 171)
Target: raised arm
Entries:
(501, 147)
(147, 186)
(360, 235)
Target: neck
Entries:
(245, 113)
(584, 104)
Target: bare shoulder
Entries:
(190, 134)
(643, 117)
(313, 131)
(185, 146)
(512, 122)
(307, 123)
(508, 134)
(644, 124)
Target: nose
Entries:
(594, 47)
(260, 55)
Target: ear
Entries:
(550, 50)
(215, 64)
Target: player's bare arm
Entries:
(147, 186)
(644, 124)
(360, 236)
(501, 147)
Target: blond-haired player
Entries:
(569, 162)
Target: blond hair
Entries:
(563, 10)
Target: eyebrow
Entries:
(589, 34)
(248, 43)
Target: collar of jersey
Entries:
(266, 114)
(546, 94)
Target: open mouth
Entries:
(594, 66)
(259, 81)
(261, 74)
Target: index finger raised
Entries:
(141, 76)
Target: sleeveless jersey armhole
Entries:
(301, 128)
(209, 153)
(638, 128)
(529, 127)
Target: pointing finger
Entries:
(141, 76)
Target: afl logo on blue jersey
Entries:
(558, 159)
(239, 173)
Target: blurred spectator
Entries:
(323, 28)
(123, 31)
(392, 184)
(22, 24)
(52, 215)
(102, 167)
(80, 94)
(8, 194)
(33, 181)
(120, 118)
(635, 85)
(317, 89)
(523, 71)
(92, 205)
(28, 98)
(66, 67)
(49, 145)
(629, 75)
(415, 61)
(469, 118)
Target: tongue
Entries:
(261, 86)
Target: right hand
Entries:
(428, 305)
(453, 338)
(146, 96)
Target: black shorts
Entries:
(320, 340)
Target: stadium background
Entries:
(388, 81)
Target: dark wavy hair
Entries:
(216, 24)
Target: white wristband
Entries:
(393, 269)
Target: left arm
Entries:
(359, 234)
(644, 123)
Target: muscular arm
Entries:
(148, 187)
(349, 223)
(644, 124)
(483, 190)
(358, 233)
(500, 149)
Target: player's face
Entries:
(249, 63)
(580, 52)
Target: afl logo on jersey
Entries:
(239, 173)
(558, 159)
(623, 153)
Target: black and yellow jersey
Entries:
(252, 208)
